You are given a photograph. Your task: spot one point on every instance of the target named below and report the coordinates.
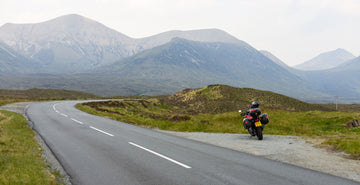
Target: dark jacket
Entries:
(253, 113)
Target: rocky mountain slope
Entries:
(67, 44)
(11, 62)
(183, 64)
(326, 60)
(73, 43)
(343, 81)
(274, 58)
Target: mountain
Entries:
(174, 66)
(77, 53)
(350, 66)
(67, 44)
(202, 35)
(183, 64)
(73, 43)
(12, 62)
(326, 60)
(342, 81)
(274, 58)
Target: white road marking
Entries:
(101, 131)
(160, 155)
(54, 107)
(77, 121)
(64, 115)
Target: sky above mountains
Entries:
(293, 30)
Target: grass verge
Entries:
(4, 102)
(21, 159)
(152, 113)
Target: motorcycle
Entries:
(254, 123)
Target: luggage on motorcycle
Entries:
(264, 119)
(247, 123)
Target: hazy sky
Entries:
(293, 30)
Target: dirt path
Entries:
(298, 151)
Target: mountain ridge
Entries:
(67, 43)
(326, 60)
(202, 35)
(74, 43)
(273, 58)
(190, 64)
(74, 52)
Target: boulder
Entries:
(353, 123)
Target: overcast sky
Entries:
(293, 30)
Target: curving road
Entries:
(96, 150)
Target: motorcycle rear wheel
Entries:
(259, 133)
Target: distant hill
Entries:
(221, 98)
(342, 81)
(326, 60)
(44, 94)
(351, 66)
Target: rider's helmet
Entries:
(255, 104)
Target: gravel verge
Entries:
(299, 151)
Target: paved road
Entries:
(96, 150)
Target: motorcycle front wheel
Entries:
(251, 131)
(259, 133)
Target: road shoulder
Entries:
(299, 151)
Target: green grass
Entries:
(43, 95)
(344, 107)
(4, 102)
(216, 99)
(349, 143)
(21, 159)
(153, 114)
